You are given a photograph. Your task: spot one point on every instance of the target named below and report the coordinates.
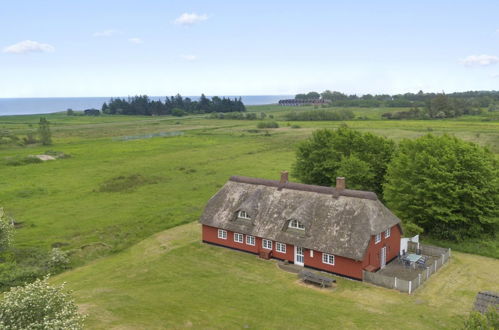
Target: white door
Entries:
(383, 257)
(299, 259)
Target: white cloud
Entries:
(189, 58)
(28, 46)
(480, 60)
(135, 40)
(105, 33)
(190, 19)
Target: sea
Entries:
(29, 106)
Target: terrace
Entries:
(407, 273)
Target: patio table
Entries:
(412, 258)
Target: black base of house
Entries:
(318, 269)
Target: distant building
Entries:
(337, 230)
(297, 102)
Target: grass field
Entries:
(120, 186)
(172, 280)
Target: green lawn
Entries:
(59, 202)
(172, 280)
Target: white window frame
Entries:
(280, 247)
(377, 238)
(250, 240)
(243, 215)
(295, 224)
(238, 238)
(311, 253)
(267, 244)
(388, 232)
(222, 234)
(328, 259)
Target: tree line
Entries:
(175, 105)
(439, 185)
(474, 99)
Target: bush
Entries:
(178, 112)
(320, 115)
(267, 124)
(58, 259)
(39, 306)
(6, 231)
(478, 321)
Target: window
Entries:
(328, 259)
(243, 215)
(377, 239)
(238, 238)
(387, 232)
(222, 234)
(267, 244)
(250, 240)
(296, 225)
(280, 247)
(311, 253)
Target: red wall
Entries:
(392, 243)
(210, 234)
(343, 266)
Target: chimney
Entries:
(340, 183)
(284, 178)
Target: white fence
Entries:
(440, 258)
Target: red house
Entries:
(337, 230)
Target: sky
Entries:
(114, 48)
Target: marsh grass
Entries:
(126, 183)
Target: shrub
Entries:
(295, 126)
(478, 321)
(30, 138)
(267, 124)
(39, 306)
(178, 112)
(320, 115)
(6, 231)
(58, 259)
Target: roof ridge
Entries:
(305, 187)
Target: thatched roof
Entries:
(339, 222)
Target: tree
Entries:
(44, 131)
(447, 186)
(6, 231)
(319, 158)
(356, 170)
(39, 306)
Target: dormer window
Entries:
(243, 215)
(296, 225)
